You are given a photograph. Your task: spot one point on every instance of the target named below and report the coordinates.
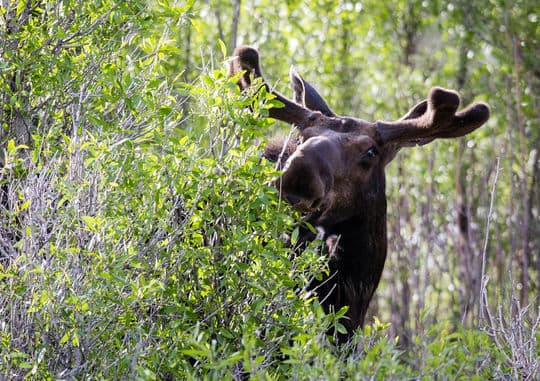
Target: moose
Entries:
(333, 172)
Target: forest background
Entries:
(139, 235)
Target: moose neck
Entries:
(362, 218)
(357, 247)
(361, 227)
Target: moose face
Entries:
(328, 170)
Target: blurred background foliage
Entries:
(139, 236)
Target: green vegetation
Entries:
(139, 235)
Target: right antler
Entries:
(434, 118)
(246, 60)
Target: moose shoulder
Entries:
(335, 175)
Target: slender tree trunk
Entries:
(221, 33)
(535, 193)
(469, 264)
(15, 116)
(401, 315)
(187, 54)
(463, 247)
(534, 198)
(524, 229)
(187, 68)
(400, 305)
(234, 26)
(427, 214)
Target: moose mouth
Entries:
(307, 192)
(304, 205)
(308, 176)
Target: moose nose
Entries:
(292, 199)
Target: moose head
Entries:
(334, 174)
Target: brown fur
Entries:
(280, 149)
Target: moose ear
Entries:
(306, 95)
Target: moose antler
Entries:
(246, 60)
(434, 118)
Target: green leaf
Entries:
(223, 48)
(11, 146)
(294, 236)
(64, 338)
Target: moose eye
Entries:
(372, 152)
(366, 161)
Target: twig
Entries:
(483, 276)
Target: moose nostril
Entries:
(316, 203)
(292, 199)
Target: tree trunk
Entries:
(524, 228)
(234, 26)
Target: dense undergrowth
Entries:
(140, 237)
